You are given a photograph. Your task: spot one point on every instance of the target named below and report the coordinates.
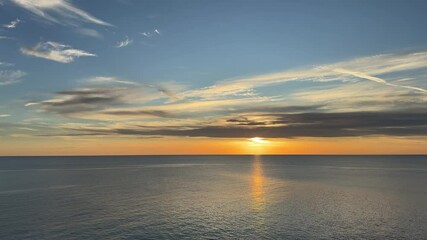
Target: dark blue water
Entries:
(214, 197)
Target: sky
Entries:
(213, 77)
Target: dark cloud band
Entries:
(348, 124)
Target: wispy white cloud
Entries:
(376, 79)
(168, 89)
(19, 135)
(56, 52)
(27, 129)
(89, 32)
(5, 64)
(168, 110)
(6, 37)
(12, 24)
(146, 34)
(8, 77)
(151, 33)
(31, 104)
(405, 79)
(124, 43)
(352, 70)
(108, 80)
(361, 96)
(4, 115)
(58, 11)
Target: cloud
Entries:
(151, 34)
(57, 52)
(376, 79)
(12, 24)
(84, 100)
(364, 95)
(93, 101)
(146, 34)
(124, 43)
(274, 108)
(6, 37)
(245, 121)
(8, 77)
(168, 89)
(359, 97)
(58, 11)
(4, 115)
(30, 104)
(89, 32)
(204, 106)
(19, 127)
(110, 97)
(136, 113)
(114, 102)
(346, 124)
(194, 109)
(6, 64)
(360, 68)
(107, 80)
(28, 129)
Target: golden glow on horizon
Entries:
(259, 146)
(258, 140)
(184, 145)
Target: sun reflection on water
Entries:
(257, 185)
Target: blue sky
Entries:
(175, 65)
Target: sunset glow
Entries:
(258, 140)
(228, 78)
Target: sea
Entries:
(213, 197)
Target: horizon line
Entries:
(142, 155)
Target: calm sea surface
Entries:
(214, 197)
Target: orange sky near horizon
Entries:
(194, 146)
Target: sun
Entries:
(258, 140)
